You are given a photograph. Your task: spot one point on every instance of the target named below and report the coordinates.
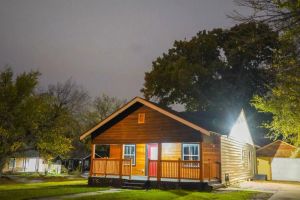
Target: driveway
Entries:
(281, 190)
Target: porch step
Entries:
(216, 185)
(133, 185)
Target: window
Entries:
(190, 152)
(243, 155)
(246, 158)
(70, 166)
(250, 160)
(141, 118)
(12, 163)
(129, 152)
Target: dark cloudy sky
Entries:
(106, 46)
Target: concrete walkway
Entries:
(280, 190)
(71, 196)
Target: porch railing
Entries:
(179, 169)
(111, 166)
(172, 169)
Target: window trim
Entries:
(182, 154)
(133, 160)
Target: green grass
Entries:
(58, 186)
(46, 189)
(173, 194)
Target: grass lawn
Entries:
(173, 194)
(59, 186)
(32, 190)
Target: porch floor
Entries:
(145, 178)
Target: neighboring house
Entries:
(81, 164)
(149, 142)
(30, 161)
(86, 162)
(279, 161)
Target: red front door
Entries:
(152, 154)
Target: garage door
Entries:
(287, 169)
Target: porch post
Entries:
(92, 159)
(209, 167)
(159, 162)
(130, 169)
(121, 161)
(148, 169)
(179, 170)
(201, 160)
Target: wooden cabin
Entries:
(149, 142)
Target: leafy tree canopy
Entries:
(283, 99)
(29, 120)
(215, 70)
(218, 70)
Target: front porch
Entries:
(144, 182)
(161, 164)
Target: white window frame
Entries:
(133, 156)
(189, 145)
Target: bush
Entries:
(76, 172)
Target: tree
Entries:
(14, 96)
(218, 70)
(70, 98)
(283, 15)
(283, 100)
(215, 70)
(101, 108)
(71, 101)
(48, 122)
(27, 119)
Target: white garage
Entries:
(287, 169)
(279, 161)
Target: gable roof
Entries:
(218, 122)
(278, 148)
(165, 111)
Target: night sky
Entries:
(105, 46)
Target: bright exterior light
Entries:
(240, 130)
